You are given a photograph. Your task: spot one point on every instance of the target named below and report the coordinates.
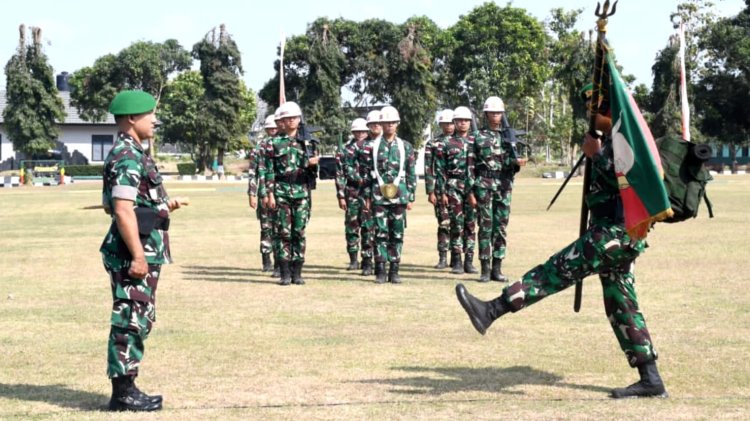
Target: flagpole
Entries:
(282, 88)
(683, 87)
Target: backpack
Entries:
(685, 176)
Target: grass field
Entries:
(231, 344)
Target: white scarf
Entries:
(376, 148)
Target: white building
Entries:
(80, 142)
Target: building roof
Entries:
(71, 117)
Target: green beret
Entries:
(586, 91)
(132, 103)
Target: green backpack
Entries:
(685, 176)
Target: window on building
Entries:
(101, 144)
(745, 152)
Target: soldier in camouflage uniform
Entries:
(136, 245)
(262, 213)
(358, 172)
(394, 183)
(288, 172)
(492, 164)
(452, 167)
(347, 191)
(605, 249)
(445, 121)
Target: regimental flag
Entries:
(637, 163)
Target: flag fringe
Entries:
(640, 231)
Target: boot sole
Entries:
(664, 395)
(461, 295)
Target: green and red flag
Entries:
(637, 163)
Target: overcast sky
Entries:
(76, 33)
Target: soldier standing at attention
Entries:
(605, 249)
(394, 183)
(286, 189)
(445, 121)
(489, 163)
(358, 172)
(136, 245)
(266, 230)
(348, 192)
(452, 168)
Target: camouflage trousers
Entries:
(604, 249)
(291, 219)
(265, 216)
(133, 315)
(390, 223)
(357, 227)
(443, 229)
(493, 207)
(463, 222)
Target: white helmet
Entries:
(373, 117)
(494, 105)
(462, 113)
(445, 116)
(289, 109)
(359, 125)
(270, 122)
(389, 114)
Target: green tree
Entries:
(182, 117)
(143, 65)
(33, 105)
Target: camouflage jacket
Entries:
(285, 170)
(491, 161)
(346, 188)
(452, 164)
(131, 174)
(430, 156)
(604, 188)
(388, 163)
(253, 171)
(360, 171)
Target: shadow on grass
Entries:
(55, 394)
(227, 274)
(438, 381)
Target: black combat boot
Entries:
(497, 271)
(276, 269)
(285, 272)
(379, 272)
(297, 272)
(481, 313)
(149, 398)
(267, 265)
(366, 266)
(393, 274)
(453, 260)
(353, 265)
(126, 397)
(469, 263)
(485, 276)
(649, 386)
(456, 266)
(441, 264)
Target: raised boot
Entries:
(276, 269)
(469, 263)
(497, 270)
(285, 272)
(379, 272)
(481, 313)
(649, 386)
(485, 276)
(267, 265)
(456, 266)
(297, 272)
(126, 397)
(353, 265)
(441, 264)
(393, 276)
(366, 266)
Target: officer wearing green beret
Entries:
(136, 245)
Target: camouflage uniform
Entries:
(358, 173)
(263, 214)
(348, 189)
(605, 249)
(442, 213)
(390, 215)
(491, 170)
(452, 168)
(285, 172)
(131, 174)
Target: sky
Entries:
(77, 32)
